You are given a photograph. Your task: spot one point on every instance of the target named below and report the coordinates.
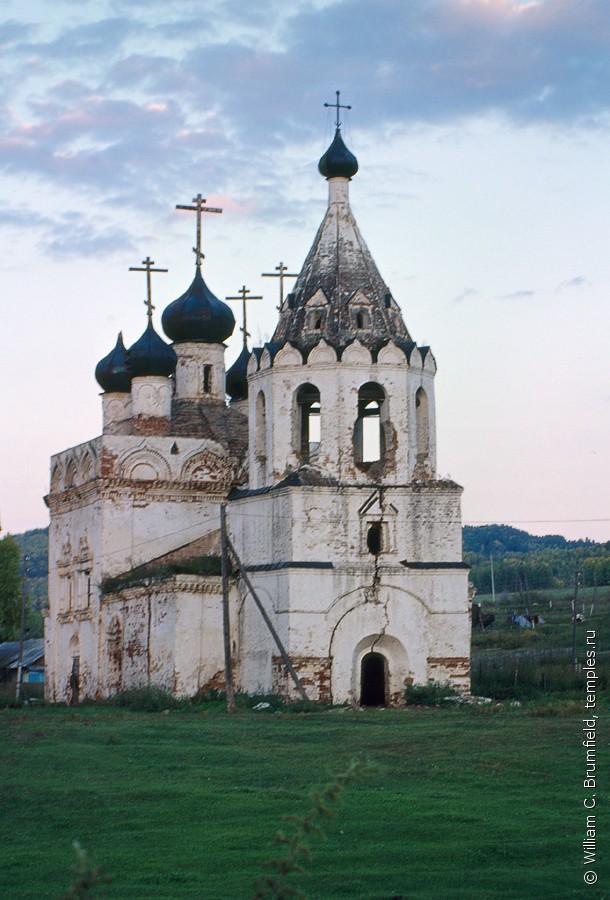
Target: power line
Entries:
(534, 521)
(277, 516)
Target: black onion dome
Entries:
(338, 162)
(198, 315)
(151, 355)
(236, 381)
(112, 373)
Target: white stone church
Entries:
(325, 456)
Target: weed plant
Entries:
(431, 694)
(522, 678)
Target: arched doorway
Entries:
(373, 680)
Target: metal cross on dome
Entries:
(282, 272)
(199, 208)
(243, 296)
(337, 106)
(147, 266)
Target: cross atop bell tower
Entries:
(337, 107)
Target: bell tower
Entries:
(341, 386)
(344, 526)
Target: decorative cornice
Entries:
(83, 614)
(113, 488)
(410, 488)
(176, 584)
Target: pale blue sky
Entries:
(482, 128)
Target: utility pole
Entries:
(493, 584)
(592, 610)
(226, 624)
(24, 594)
(574, 608)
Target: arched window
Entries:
(207, 379)
(315, 319)
(422, 425)
(260, 440)
(362, 318)
(308, 406)
(374, 538)
(369, 443)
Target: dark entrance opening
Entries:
(373, 539)
(372, 680)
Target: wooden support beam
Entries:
(266, 619)
(226, 623)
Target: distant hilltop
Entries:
(527, 562)
(486, 539)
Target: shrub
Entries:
(431, 694)
(530, 677)
(144, 699)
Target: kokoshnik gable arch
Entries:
(326, 458)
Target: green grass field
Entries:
(467, 803)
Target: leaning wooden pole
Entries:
(226, 622)
(267, 621)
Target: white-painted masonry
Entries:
(328, 470)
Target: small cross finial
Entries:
(337, 106)
(243, 296)
(147, 266)
(199, 208)
(282, 272)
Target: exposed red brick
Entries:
(150, 425)
(314, 673)
(108, 462)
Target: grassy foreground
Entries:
(467, 803)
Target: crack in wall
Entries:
(373, 592)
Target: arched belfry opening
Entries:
(308, 422)
(260, 439)
(373, 680)
(369, 443)
(422, 425)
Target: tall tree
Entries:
(10, 589)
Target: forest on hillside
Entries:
(33, 544)
(527, 562)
